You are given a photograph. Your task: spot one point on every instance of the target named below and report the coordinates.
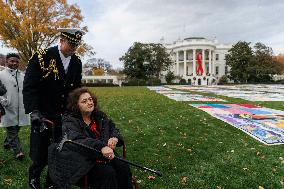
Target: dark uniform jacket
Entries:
(70, 164)
(46, 86)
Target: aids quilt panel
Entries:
(263, 124)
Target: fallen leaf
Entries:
(183, 180)
(7, 181)
(189, 150)
(151, 177)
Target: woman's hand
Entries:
(107, 152)
(112, 142)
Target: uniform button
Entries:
(62, 96)
(71, 84)
(15, 85)
(63, 85)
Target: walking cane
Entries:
(65, 139)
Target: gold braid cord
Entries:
(70, 38)
(51, 67)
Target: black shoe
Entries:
(34, 183)
(7, 146)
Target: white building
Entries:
(198, 60)
(117, 80)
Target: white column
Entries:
(210, 63)
(213, 64)
(184, 63)
(177, 68)
(194, 62)
(203, 62)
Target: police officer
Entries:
(51, 74)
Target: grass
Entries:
(191, 148)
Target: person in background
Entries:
(12, 101)
(51, 74)
(86, 124)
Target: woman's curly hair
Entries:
(73, 99)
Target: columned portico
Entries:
(184, 63)
(177, 62)
(194, 55)
(194, 63)
(203, 62)
(210, 63)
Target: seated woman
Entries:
(87, 125)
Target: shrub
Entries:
(154, 81)
(99, 84)
(169, 77)
(182, 81)
(223, 80)
(135, 82)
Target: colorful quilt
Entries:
(263, 124)
(158, 88)
(182, 95)
(171, 92)
(246, 92)
(192, 97)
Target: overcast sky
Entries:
(115, 24)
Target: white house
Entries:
(117, 80)
(198, 60)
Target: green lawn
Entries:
(191, 148)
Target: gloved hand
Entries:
(38, 120)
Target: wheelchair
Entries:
(85, 184)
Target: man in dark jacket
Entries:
(50, 76)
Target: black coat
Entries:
(46, 86)
(73, 162)
(3, 89)
(2, 92)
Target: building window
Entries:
(217, 56)
(217, 70)
(226, 70)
